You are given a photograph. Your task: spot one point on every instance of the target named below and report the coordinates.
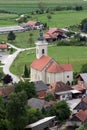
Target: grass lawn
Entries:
(22, 39)
(8, 19)
(77, 56)
(58, 18)
(63, 18)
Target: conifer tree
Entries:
(26, 72)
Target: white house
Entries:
(47, 69)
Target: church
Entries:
(47, 69)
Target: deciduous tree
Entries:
(84, 68)
(16, 110)
(7, 79)
(61, 110)
(26, 86)
(34, 115)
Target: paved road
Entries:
(10, 60)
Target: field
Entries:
(22, 39)
(8, 19)
(63, 18)
(77, 56)
(58, 19)
(25, 6)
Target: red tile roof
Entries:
(48, 35)
(6, 90)
(60, 87)
(39, 64)
(31, 23)
(3, 46)
(52, 30)
(41, 94)
(54, 68)
(79, 87)
(67, 67)
(82, 115)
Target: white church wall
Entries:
(37, 75)
(54, 77)
(68, 76)
(59, 77)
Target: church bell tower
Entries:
(41, 46)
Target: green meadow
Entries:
(63, 18)
(77, 56)
(25, 6)
(22, 39)
(58, 18)
(8, 19)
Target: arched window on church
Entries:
(43, 51)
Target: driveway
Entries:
(7, 60)
(3, 58)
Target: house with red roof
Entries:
(34, 24)
(60, 90)
(41, 89)
(47, 69)
(54, 34)
(79, 118)
(81, 84)
(5, 91)
(3, 47)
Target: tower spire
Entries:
(41, 37)
(41, 45)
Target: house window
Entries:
(43, 51)
(63, 96)
(67, 76)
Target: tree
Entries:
(1, 75)
(84, 68)
(42, 6)
(31, 38)
(80, 128)
(3, 120)
(26, 86)
(7, 79)
(49, 97)
(49, 17)
(11, 36)
(26, 72)
(34, 115)
(84, 25)
(17, 111)
(61, 110)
